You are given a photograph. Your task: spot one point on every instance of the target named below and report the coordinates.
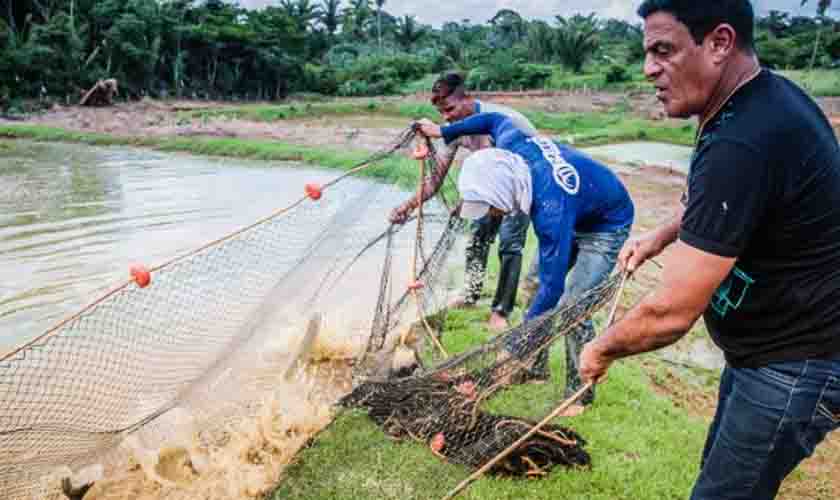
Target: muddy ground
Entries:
(656, 192)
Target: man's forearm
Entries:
(669, 233)
(651, 325)
(433, 184)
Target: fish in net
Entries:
(442, 407)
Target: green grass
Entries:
(422, 85)
(818, 82)
(641, 447)
(396, 169)
(594, 78)
(589, 129)
(303, 110)
(576, 128)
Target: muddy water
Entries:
(677, 158)
(74, 218)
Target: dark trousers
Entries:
(768, 420)
(512, 231)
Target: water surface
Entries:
(74, 218)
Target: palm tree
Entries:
(776, 23)
(379, 5)
(510, 26)
(408, 32)
(540, 41)
(822, 7)
(330, 16)
(303, 12)
(356, 18)
(577, 38)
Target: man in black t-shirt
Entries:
(756, 248)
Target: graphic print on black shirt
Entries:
(764, 189)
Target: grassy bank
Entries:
(396, 169)
(576, 128)
(817, 82)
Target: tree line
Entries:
(54, 49)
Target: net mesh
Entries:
(444, 407)
(138, 356)
(140, 361)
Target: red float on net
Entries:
(313, 191)
(141, 275)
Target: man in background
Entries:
(454, 104)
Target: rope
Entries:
(418, 247)
(403, 139)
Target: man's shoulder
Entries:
(520, 120)
(774, 112)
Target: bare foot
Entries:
(573, 411)
(497, 322)
(460, 302)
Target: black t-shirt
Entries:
(764, 187)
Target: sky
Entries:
(481, 11)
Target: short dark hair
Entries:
(447, 84)
(702, 17)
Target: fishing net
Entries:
(187, 350)
(183, 346)
(443, 406)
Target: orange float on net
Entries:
(438, 442)
(415, 285)
(313, 191)
(141, 275)
(421, 151)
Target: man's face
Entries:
(454, 109)
(684, 73)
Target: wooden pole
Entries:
(551, 416)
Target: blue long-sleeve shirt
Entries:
(571, 193)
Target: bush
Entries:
(319, 79)
(507, 74)
(774, 53)
(382, 75)
(617, 74)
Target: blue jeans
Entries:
(593, 259)
(768, 420)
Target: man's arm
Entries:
(480, 124)
(638, 250)
(555, 254)
(430, 187)
(690, 278)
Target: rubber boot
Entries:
(509, 271)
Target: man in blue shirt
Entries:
(453, 103)
(581, 212)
